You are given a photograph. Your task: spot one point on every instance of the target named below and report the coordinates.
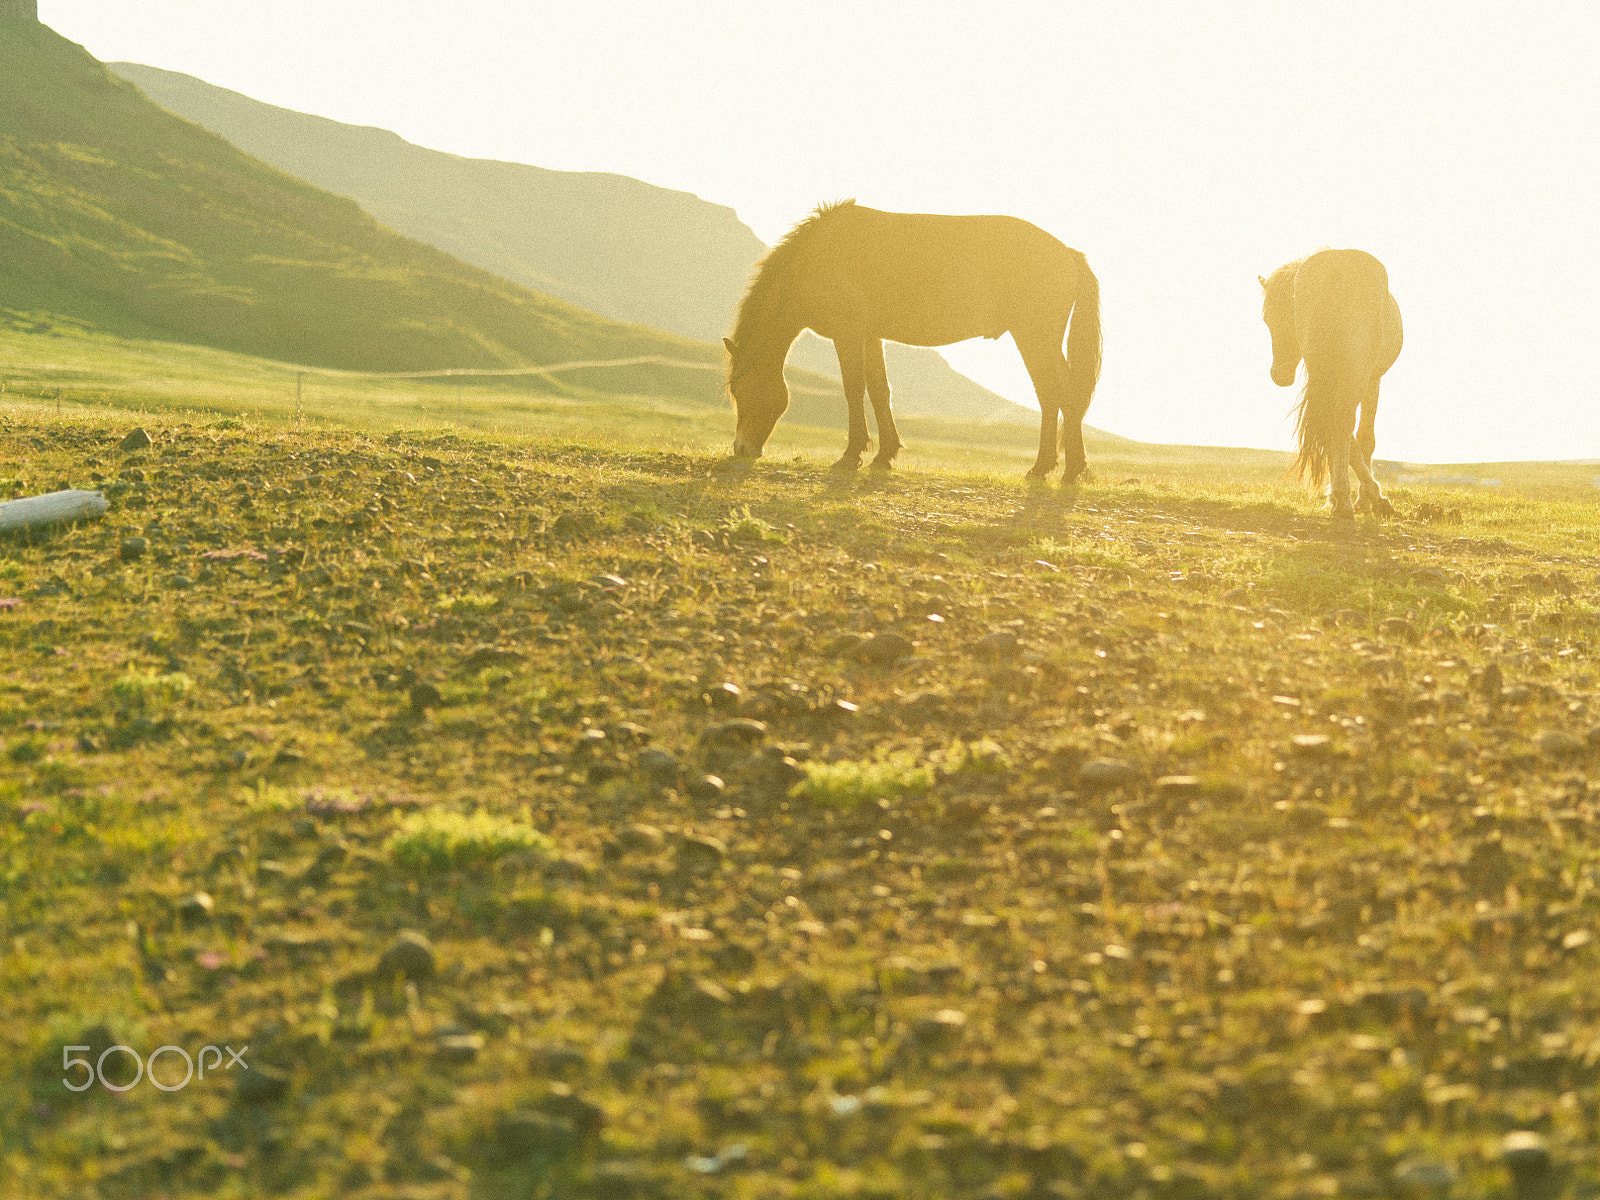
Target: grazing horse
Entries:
(1334, 310)
(859, 276)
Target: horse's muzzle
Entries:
(743, 449)
(1284, 378)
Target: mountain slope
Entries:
(613, 244)
(117, 212)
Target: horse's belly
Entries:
(936, 333)
(939, 321)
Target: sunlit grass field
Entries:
(555, 811)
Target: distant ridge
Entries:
(613, 244)
(115, 212)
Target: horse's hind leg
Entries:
(889, 442)
(1372, 498)
(1341, 453)
(851, 371)
(1047, 367)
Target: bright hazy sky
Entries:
(1184, 147)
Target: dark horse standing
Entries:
(859, 277)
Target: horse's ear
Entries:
(727, 344)
(1262, 280)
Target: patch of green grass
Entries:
(142, 692)
(1082, 552)
(844, 785)
(441, 840)
(470, 601)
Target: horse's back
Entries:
(1343, 308)
(933, 278)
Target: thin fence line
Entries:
(553, 368)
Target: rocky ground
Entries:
(556, 823)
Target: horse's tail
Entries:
(1316, 425)
(1084, 346)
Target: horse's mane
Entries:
(1282, 278)
(771, 268)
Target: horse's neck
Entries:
(771, 343)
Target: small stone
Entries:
(1527, 1153)
(410, 954)
(997, 646)
(263, 1085)
(739, 729)
(641, 839)
(1179, 786)
(843, 710)
(584, 1116)
(571, 524)
(658, 764)
(706, 787)
(1557, 744)
(843, 646)
(699, 852)
(1491, 682)
(137, 440)
(196, 909)
(1103, 774)
(558, 1059)
(490, 656)
(942, 1028)
(1425, 1175)
(786, 772)
(1311, 745)
(734, 956)
(132, 548)
(881, 649)
(630, 732)
(527, 1134)
(425, 696)
(724, 696)
(458, 1047)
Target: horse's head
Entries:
(1277, 310)
(760, 397)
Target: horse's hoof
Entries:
(1383, 508)
(882, 464)
(846, 464)
(1039, 471)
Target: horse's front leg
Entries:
(852, 371)
(878, 388)
(1371, 498)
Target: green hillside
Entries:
(616, 245)
(116, 212)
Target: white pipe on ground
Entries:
(55, 508)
